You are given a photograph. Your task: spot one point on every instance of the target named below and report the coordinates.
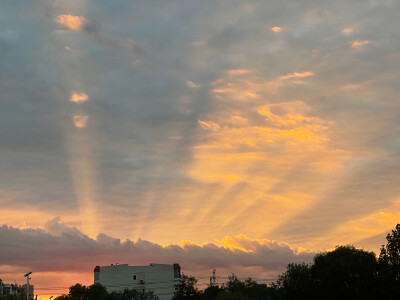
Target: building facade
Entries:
(162, 279)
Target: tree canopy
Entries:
(99, 292)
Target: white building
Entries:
(162, 279)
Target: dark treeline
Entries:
(98, 292)
(344, 273)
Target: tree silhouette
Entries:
(187, 287)
(389, 263)
(345, 273)
(296, 282)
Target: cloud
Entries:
(297, 75)
(80, 121)
(252, 86)
(276, 29)
(290, 114)
(76, 23)
(245, 244)
(359, 44)
(79, 23)
(192, 84)
(62, 248)
(79, 97)
(238, 72)
(208, 125)
(348, 31)
(127, 45)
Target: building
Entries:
(7, 289)
(11, 289)
(162, 279)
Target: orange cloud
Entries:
(276, 29)
(76, 23)
(359, 44)
(80, 121)
(348, 31)
(78, 97)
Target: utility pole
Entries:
(27, 284)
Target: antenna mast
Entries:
(213, 278)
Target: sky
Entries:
(240, 135)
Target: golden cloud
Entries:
(250, 86)
(289, 114)
(78, 97)
(80, 121)
(250, 156)
(243, 243)
(276, 29)
(76, 23)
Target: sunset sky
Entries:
(241, 135)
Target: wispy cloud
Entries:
(208, 125)
(297, 75)
(238, 72)
(359, 44)
(192, 84)
(290, 115)
(79, 23)
(348, 31)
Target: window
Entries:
(134, 277)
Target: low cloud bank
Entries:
(59, 247)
